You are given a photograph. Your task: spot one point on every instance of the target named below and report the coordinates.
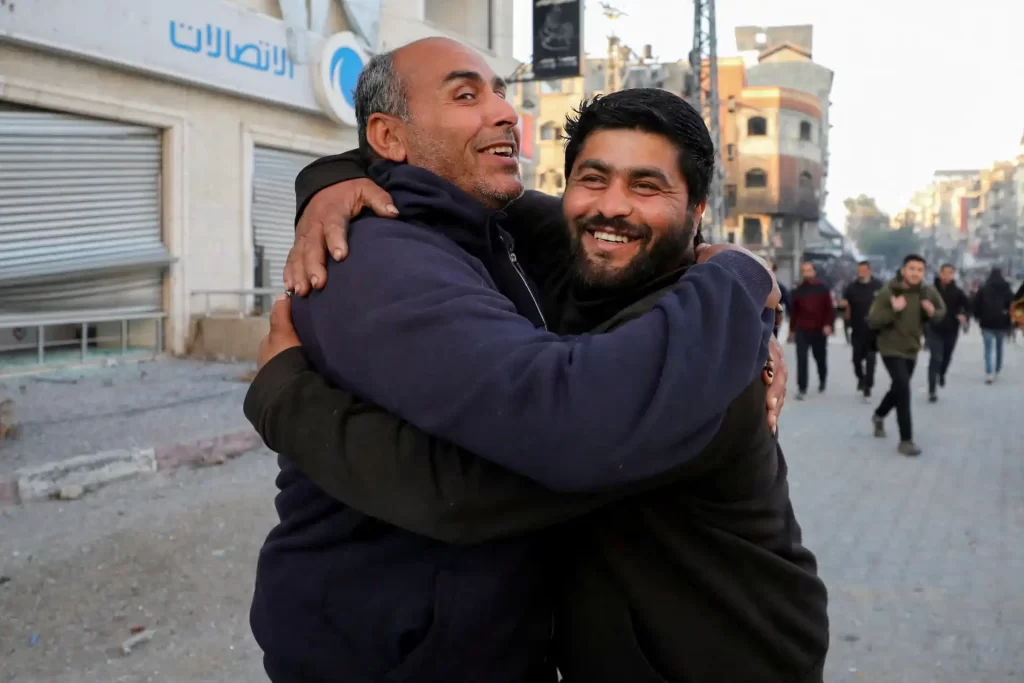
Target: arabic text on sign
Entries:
(215, 43)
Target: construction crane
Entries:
(703, 95)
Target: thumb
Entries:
(281, 315)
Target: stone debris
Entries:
(136, 640)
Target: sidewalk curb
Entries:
(90, 472)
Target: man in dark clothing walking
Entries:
(707, 549)
(855, 303)
(942, 334)
(900, 310)
(811, 326)
(992, 309)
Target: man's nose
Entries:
(614, 201)
(502, 113)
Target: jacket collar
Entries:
(427, 200)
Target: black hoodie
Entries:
(956, 302)
(992, 303)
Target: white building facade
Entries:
(148, 148)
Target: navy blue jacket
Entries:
(431, 318)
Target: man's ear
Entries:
(385, 134)
(698, 214)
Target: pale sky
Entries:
(918, 85)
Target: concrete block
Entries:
(228, 338)
(87, 471)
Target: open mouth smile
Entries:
(612, 237)
(504, 150)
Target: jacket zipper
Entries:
(529, 290)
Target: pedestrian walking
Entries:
(942, 334)
(810, 326)
(855, 304)
(899, 312)
(992, 310)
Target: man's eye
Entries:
(465, 96)
(646, 187)
(591, 179)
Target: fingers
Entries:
(336, 238)
(379, 201)
(314, 259)
(299, 267)
(281, 334)
(281, 317)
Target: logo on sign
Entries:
(341, 61)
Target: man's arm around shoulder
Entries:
(429, 341)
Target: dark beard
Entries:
(657, 257)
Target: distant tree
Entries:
(864, 216)
(892, 244)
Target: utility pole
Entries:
(703, 96)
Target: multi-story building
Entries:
(772, 154)
(774, 129)
(782, 56)
(148, 148)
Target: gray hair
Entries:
(379, 90)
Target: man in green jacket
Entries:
(899, 312)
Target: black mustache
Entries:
(593, 223)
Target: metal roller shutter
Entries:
(80, 219)
(273, 207)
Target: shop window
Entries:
(805, 130)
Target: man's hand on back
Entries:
(323, 229)
(282, 335)
(775, 376)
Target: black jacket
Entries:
(859, 297)
(992, 304)
(957, 303)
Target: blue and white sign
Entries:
(336, 72)
(211, 43)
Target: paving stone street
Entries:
(924, 557)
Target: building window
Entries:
(756, 178)
(806, 181)
(730, 152)
(549, 131)
(752, 231)
(757, 126)
(731, 236)
(559, 181)
(805, 130)
(730, 197)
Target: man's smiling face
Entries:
(626, 204)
